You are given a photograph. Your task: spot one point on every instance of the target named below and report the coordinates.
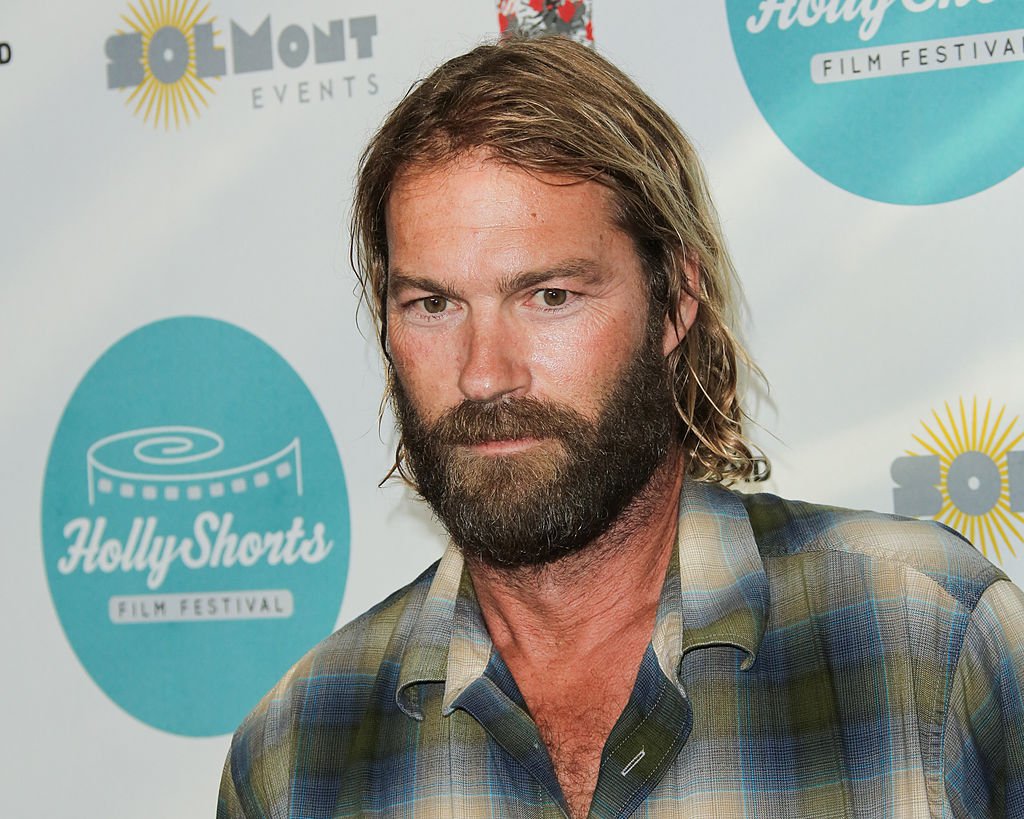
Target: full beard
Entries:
(534, 506)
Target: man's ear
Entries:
(679, 321)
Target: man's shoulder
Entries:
(885, 542)
(350, 661)
(377, 634)
(308, 724)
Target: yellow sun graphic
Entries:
(972, 452)
(170, 89)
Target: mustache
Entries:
(474, 422)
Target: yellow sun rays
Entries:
(959, 432)
(175, 101)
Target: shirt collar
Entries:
(715, 593)
(425, 658)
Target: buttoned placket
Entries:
(642, 745)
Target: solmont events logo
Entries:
(901, 101)
(170, 54)
(967, 471)
(195, 523)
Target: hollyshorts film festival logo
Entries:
(966, 469)
(904, 101)
(169, 56)
(195, 523)
(533, 18)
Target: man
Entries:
(612, 632)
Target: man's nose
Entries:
(493, 364)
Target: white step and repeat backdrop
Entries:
(189, 407)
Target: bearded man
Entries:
(612, 632)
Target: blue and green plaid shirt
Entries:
(805, 661)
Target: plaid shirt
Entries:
(805, 661)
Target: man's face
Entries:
(531, 389)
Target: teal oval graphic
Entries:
(905, 101)
(195, 523)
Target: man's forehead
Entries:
(418, 179)
(473, 195)
(477, 224)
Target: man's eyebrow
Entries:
(582, 269)
(399, 280)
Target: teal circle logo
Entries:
(911, 102)
(195, 523)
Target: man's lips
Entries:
(503, 447)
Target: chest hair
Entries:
(575, 736)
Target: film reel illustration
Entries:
(164, 463)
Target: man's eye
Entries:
(554, 297)
(434, 304)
